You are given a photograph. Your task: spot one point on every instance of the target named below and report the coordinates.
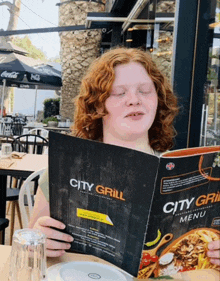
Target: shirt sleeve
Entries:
(44, 184)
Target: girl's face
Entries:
(132, 103)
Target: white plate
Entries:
(86, 271)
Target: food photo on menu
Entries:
(150, 216)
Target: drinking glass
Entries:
(28, 256)
(6, 150)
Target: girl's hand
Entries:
(214, 252)
(54, 248)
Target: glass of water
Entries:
(6, 150)
(28, 256)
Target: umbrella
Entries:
(51, 76)
(15, 71)
(10, 47)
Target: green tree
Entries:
(51, 107)
(26, 44)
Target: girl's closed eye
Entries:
(144, 92)
(118, 94)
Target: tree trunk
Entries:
(78, 50)
(163, 56)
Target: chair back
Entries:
(26, 211)
(6, 139)
(3, 181)
(3, 221)
(16, 144)
(33, 144)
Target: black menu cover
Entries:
(131, 208)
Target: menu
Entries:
(151, 216)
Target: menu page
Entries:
(185, 213)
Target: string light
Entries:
(164, 53)
(167, 39)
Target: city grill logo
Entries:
(6, 74)
(35, 77)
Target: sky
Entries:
(35, 14)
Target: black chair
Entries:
(5, 138)
(15, 145)
(34, 144)
(28, 143)
(12, 192)
(3, 225)
(3, 221)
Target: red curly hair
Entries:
(96, 88)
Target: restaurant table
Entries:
(194, 275)
(10, 139)
(21, 168)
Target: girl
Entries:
(124, 100)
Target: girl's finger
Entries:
(50, 222)
(214, 245)
(214, 254)
(55, 245)
(54, 253)
(57, 235)
(215, 261)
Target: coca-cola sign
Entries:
(6, 74)
(35, 77)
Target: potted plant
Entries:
(51, 121)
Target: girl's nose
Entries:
(133, 98)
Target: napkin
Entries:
(5, 163)
(18, 155)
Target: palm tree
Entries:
(78, 49)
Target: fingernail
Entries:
(63, 226)
(68, 246)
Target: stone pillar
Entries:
(78, 50)
(163, 56)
